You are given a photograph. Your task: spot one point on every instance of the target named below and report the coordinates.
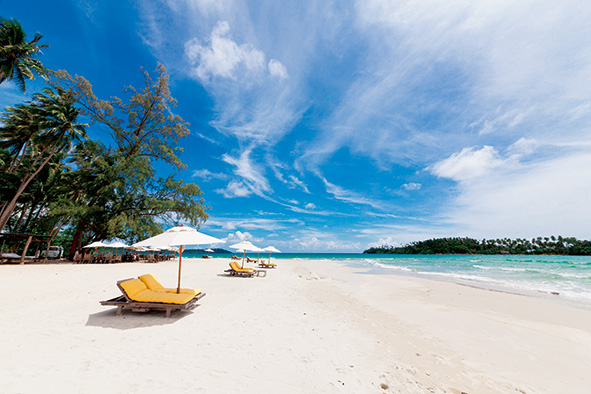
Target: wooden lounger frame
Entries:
(249, 274)
(136, 306)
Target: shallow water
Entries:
(564, 277)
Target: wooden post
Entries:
(47, 251)
(178, 288)
(25, 249)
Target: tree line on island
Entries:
(540, 245)
(56, 181)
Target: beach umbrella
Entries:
(208, 250)
(97, 244)
(244, 246)
(271, 249)
(117, 245)
(180, 236)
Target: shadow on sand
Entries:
(129, 320)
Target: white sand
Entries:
(308, 327)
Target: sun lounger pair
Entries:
(147, 293)
(235, 269)
(262, 264)
(251, 260)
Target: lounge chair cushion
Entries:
(153, 284)
(133, 287)
(237, 268)
(137, 291)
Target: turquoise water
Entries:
(569, 276)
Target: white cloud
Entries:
(252, 223)
(349, 196)
(235, 189)
(412, 186)
(277, 69)
(476, 70)
(222, 57)
(310, 206)
(382, 242)
(468, 164)
(240, 236)
(295, 181)
(206, 175)
(542, 198)
(251, 178)
(313, 244)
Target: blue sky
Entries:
(321, 126)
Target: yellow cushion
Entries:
(137, 291)
(132, 287)
(193, 292)
(151, 282)
(158, 296)
(237, 268)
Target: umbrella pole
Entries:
(178, 288)
(243, 257)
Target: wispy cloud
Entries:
(251, 180)
(207, 175)
(448, 70)
(349, 196)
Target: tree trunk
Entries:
(10, 207)
(76, 239)
(20, 219)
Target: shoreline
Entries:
(307, 327)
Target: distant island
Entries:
(536, 246)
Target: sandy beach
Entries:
(307, 327)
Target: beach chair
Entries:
(137, 296)
(235, 270)
(262, 264)
(251, 260)
(235, 258)
(153, 284)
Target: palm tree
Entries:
(16, 54)
(53, 117)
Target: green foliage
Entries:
(16, 54)
(55, 181)
(553, 245)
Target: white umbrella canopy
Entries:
(97, 244)
(244, 246)
(271, 249)
(178, 236)
(208, 250)
(117, 245)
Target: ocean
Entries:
(562, 278)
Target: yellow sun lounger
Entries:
(235, 269)
(262, 264)
(140, 298)
(153, 284)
